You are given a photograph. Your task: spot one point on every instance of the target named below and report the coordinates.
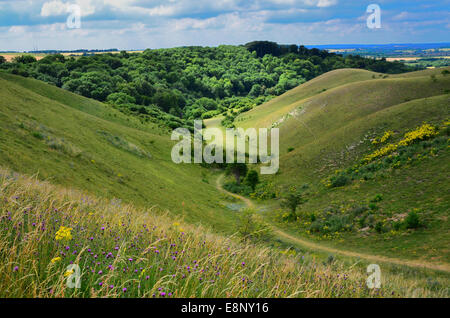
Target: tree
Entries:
(238, 170)
(252, 179)
(2, 59)
(292, 200)
(24, 59)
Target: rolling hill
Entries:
(328, 125)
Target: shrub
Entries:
(412, 221)
(379, 227)
(397, 225)
(292, 200)
(233, 187)
(251, 227)
(252, 179)
(339, 181)
(38, 135)
(358, 210)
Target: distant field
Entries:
(10, 56)
(392, 59)
(39, 56)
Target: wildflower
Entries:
(64, 233)
(68, 273)
(56, 259)
(16, 268)
(124, 289)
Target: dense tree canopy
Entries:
(191, 82)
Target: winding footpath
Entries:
(320, 247)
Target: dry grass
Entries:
(146, 252)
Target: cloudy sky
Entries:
(138, 24)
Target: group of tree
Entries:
(190, 82)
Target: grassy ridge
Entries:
(268, 113)
(127, 252)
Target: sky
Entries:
(138, 24)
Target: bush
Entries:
(358, 210)
(412, 221)
(233, 187)
(377, 198)
(38, 135)
(252, 179)
(339, 181)
(379, 227)
(397, 225)
(251, 227)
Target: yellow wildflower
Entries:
(64, 233)
(68, 273)
(56, 259)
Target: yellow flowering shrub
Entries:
(421, 133)
(381, 152)
(387, 135)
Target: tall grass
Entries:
(125, 252)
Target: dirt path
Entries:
(316, 246)
(219, 187)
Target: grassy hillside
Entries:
(81, 143)
(268, 113)
(125, 252)
(325, 133)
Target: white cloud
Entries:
(53, 8)
(58, 8)
(326, 3)
(17, 29)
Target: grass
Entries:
(80, 143)
(124, 251)
(268, 113)
(333, 129)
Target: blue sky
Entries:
(137, 24)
